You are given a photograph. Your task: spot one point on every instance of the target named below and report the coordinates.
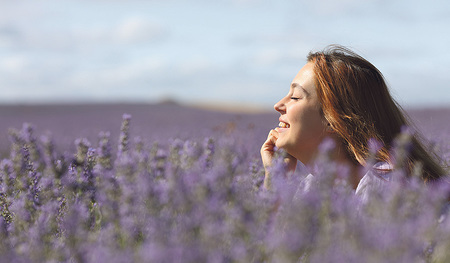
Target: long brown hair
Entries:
(357, 104)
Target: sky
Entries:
(240, 52)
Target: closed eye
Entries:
(294, 98)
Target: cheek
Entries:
(311, 126)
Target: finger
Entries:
(273, 133)
(269, 144)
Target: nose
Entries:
(280, 107)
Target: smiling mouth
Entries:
(284, 125)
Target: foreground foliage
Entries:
(203, 201)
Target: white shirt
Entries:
(375, 178)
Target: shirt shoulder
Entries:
(375, 178)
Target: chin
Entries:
(284, 147)
(280, 145)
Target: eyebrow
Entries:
(296, 85)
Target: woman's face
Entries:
(302, 126)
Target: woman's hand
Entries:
(268, 148)
(267, 156)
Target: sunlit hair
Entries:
(357, 104)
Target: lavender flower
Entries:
(105, 151)
(82, 145)
(124, 135)
(193, 199)
(209, 149)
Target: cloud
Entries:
(9, 35)
(138, 29)
(194, 66)
(119, 75)
(14, 64)
(333, 7)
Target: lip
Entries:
(281, 130)
(281, 120)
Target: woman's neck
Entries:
(341, 156)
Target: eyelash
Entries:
(294, 98)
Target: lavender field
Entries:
(169, 183)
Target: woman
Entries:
(340, 95)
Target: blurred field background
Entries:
(169, 120)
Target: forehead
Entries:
(305, 79)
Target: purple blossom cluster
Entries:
(201, 199)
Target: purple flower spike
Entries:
(200, 198)
(124, 135)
